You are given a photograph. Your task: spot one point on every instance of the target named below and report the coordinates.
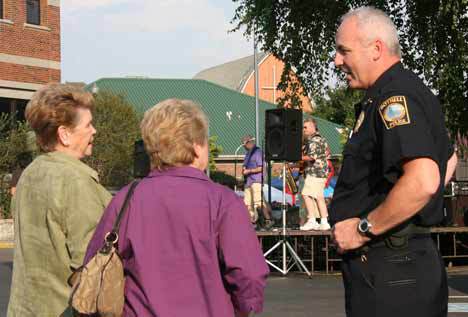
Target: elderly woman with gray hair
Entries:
(187, 244)
(58, 202)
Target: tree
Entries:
(338, 106)
(14, 140)
(117, 126)
(215, 151)
(433, 36)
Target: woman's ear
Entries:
(63, 135)
(198, 149)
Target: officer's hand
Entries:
(346, 236)
(245, 171)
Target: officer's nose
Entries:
(338, 59)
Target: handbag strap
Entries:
(112, 237)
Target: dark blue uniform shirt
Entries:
(399, 119)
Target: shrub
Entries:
(117, 126)
(14, 139)
(223, 179)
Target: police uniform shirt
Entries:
(399, 119)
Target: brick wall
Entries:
(28, 74)
(266, 79)
(21, 40)
(228, 168)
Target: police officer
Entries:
(390, 189)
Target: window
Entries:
(33, 12)
(1, 9)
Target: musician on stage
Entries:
(252, 169)
(316, 170)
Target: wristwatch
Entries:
(364, 228)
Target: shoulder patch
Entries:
(394, 112)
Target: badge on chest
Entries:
(394, 112)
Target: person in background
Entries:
(58, 202)
(252, 169)
(187, 245)
(22, 160)
(316, 171)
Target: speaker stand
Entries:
(286, 246)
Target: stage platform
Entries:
(319, 256)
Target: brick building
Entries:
(29, 50)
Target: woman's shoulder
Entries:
(225, 193)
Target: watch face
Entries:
(363, 226)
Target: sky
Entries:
(150, 38)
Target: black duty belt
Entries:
(398, 238)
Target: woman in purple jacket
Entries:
(187, 244)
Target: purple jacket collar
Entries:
(182, 171)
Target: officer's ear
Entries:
(378, 47)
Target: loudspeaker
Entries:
(141, 160)
(283, 135)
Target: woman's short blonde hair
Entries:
(169, 131)
(52, 106)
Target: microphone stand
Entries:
(235, 166)
(286, 246)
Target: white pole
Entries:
(257, 131)
(283, 211)
(209, 154)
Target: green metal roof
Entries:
(332, 133)
(231, 114)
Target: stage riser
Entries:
(315, 250)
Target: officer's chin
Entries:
(354, 84)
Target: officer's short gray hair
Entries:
(376, 24)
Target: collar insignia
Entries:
(359, 121)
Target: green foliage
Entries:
(13, 141)
(338, 106)
(215, 151)
(433, 37)
(117, 128)
(223, 178)
(461, 143)
(5, 201)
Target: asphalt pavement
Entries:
(295, 295)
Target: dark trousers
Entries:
(410, 282)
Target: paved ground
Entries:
(295, 295)
(6, 256)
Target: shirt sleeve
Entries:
(84, 210)
(406, 134)
(243, 266)
(258, 158)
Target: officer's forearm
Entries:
(412, 191)
(451, 165)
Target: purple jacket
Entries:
(188, 248)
